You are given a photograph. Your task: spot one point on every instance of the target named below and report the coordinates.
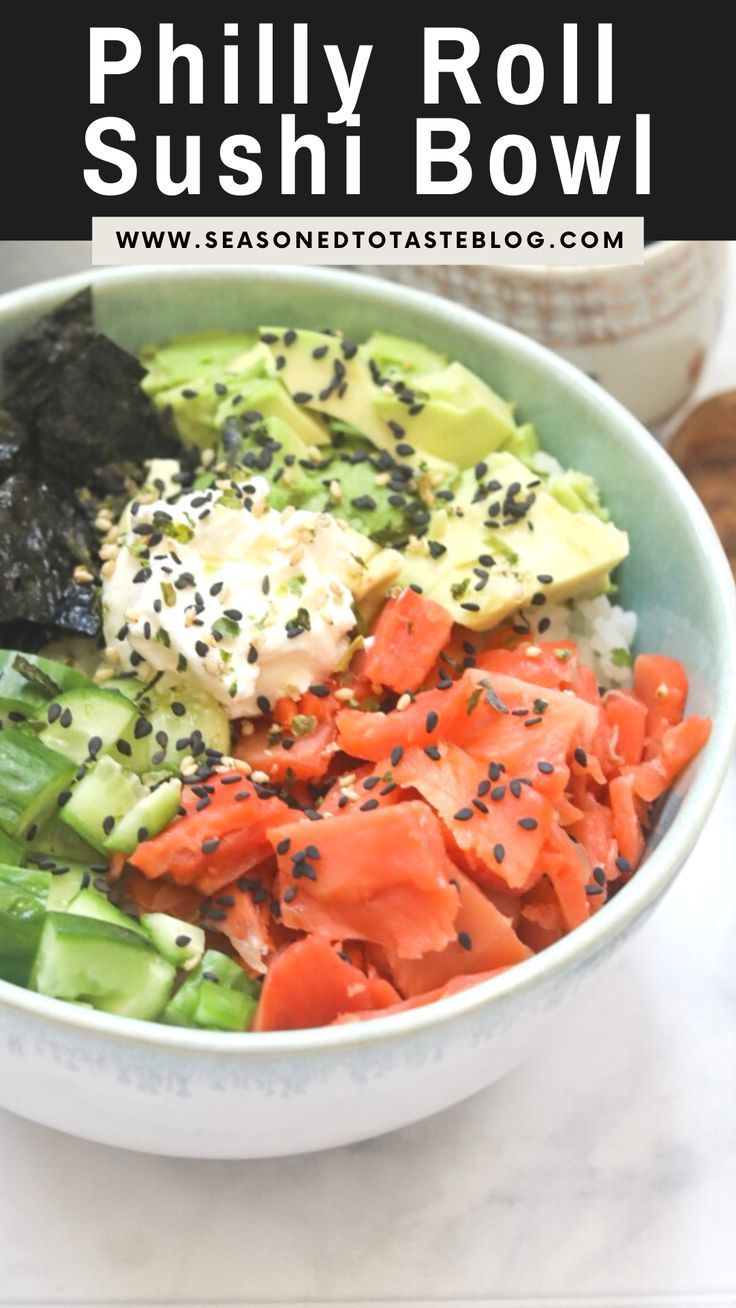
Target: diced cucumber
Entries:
(65, 886)
(178, 942)
(11, 851)
(149, 816)
(90, 903)
(32, 777)
(23, 895)
(101, 964)
(86, 723)
(218, 996)
(22, 695)
(168, 715)
(220, 1009)
(100, 800)
(54, 839)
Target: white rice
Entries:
(603, 632)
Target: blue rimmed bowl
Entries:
(200, 1094)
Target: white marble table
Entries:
(601, 1173)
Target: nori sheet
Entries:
(74, 425)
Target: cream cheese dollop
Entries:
(248, 603)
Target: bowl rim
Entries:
(661, 864)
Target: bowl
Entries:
(202, 1094)
(643, 331)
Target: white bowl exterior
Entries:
(200, 1094)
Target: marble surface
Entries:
(602, 1172)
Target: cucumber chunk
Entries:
(149, 816)
(177, 941)
(23, 697)
(90, 903)
(102, 964)
(11, 851)
(65, 886)
(53, 839)
(32, 777)
(100, 800)
(217, 996)
(23, 895)
(169, 714)
(89, 722)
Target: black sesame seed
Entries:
(216, 588)
(431, 720)
(432, 752)
(107, 824)
(289, 894)
(94, 745)
(371, 782)
(123, 747)
(320, 691)
(290, 336)
(546, 768)
(623, 864)
(64, 798)
(397, 753)
(396, 428)
(532, 722)
(483, 787)
(599, 876)
(142, 728)
(201, 649)
(66, 718)
(498, 793)
(464, 939)
(369, 805)
(54, 712)
(183, 941)
(581, 757)
(463, 815)
(527, 823)
(481, 807)
(515, 787)
(499, 853)
(263, 704)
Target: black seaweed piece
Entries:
(42, 538)
(33, 364)
(13, 444)
(98, 414)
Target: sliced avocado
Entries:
(195, 399)
(505, 542)
(523, 442)
(398, 355)
(198, 354)
(578, 492)
(450, 415)
(270, 398)
(460, 417)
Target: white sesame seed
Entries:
(82, 575)
(403, 701)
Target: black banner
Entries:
(522, 113)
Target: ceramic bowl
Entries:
(642, 331)
(208, 1095)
